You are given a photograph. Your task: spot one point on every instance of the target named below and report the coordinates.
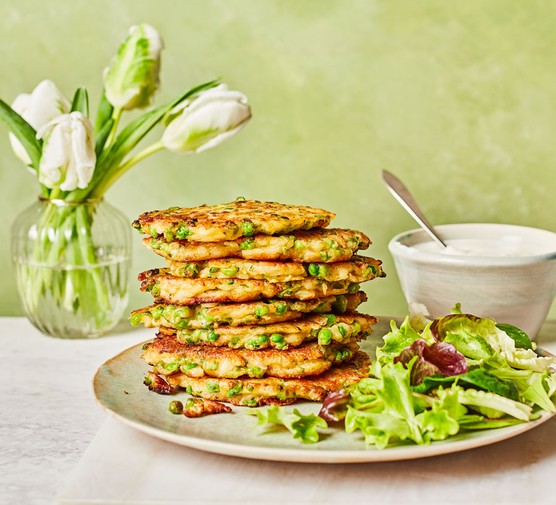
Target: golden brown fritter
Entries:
(167, 355)
(326, 328)
(269, 390)
(209, 315)
(357, 269)
(316, 245)
(178, 290)
(229, 221)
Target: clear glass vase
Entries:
(72, 266)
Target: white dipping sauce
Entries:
(506, 247)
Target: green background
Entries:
(458, 98)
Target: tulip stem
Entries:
(116, 116)
(112, 177)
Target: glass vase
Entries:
(72, 266)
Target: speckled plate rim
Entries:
(298, 454)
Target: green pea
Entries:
(189, 404)
(152, 232)
(353, 288)
(324, 256)
(299, 244)
(240, 199)
(234, 390)
(154, 289)
(171, 367)
(156, 244)
(323, 271)
(188, 365)
(136, 319)
(276, 338)
(157, 311)
(212, 336)
(247, 228)
(182, 232)
(169, 235)
(234, 341)
(281, 308)
(313, 270)
(325, 336)
(230, 271)
(175, 407)
(250, 402)
(246, 244)
(261, 310)
(257, 342)
(255, 371)
(189, 390)
(213, 270)
(330, 319)
(213, 387)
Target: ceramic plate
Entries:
(119, 389)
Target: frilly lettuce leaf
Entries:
(538, 391)
(398, 339)
(304, 427)
(442, 420)
(493, 405)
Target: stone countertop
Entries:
(49, 417)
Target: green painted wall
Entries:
(456, 97)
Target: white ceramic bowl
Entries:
(512, 279)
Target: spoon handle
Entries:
(402, 194)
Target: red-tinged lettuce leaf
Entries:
(439, 358)
(334, 406)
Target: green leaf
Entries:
(537, 393)
(104, 114)
(304, 427)
(23, 131)
(520, 338)
(494, 405)
(102, 136)
(80, 102)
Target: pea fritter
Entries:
(357, 269)
(229, 221)
(252, 392)
(167, 355)
(325, 328)
(316, 245)
(209, 315)
(178, 290)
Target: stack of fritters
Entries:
(257, 304)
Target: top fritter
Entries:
(229, 221)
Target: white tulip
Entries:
(68, 154)
(133, 75)
(206, 121)
(39, 107)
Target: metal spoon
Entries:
(402, 194)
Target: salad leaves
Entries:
(455, 374)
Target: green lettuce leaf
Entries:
(304, 427)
